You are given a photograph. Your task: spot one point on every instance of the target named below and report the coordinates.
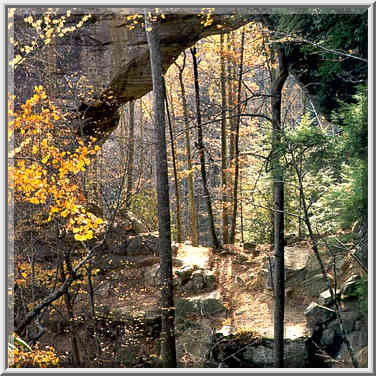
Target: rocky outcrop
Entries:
(327, 335)
(130, 222)
(248, 350)
(193, 341)
(204, 305)
(302, 272)
(129, 237)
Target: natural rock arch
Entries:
(182, 28)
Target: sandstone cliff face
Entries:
(111, 62)
(105, 64)
(129, 65)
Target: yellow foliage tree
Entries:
(42, 173)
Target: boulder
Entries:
(204, 305)
(246, 351)
(350, 305)
(193, 342)
(302, 272)
(318, 314)
(315, 285)
(295, 354)
(130, 222)
(349, 320)
(327, 337)
(152, 276)
(260, 356)
(147, 322)
(144, 243)
(200, 280)
(359, 342)
(210, 280)
(94, 209)
(296, 263)
(141, 244)
(44, 252)
(116, 240)
(187, 278)
(325, 297)
(184, 274)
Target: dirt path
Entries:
(199, 256)
(250, 305)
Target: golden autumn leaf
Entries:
(98, 221)
(45, 159)
(34, 200)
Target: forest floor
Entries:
(239, 283)
(249, 303)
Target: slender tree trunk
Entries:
(231, 152)
(236, 146)
(279, 76)
(67, 299)
(225, 203)
(200, 143)
(177, 188)
(183, 184)
(74, 341)
(123, 129)
(300, 229)
(90, 289)
(241, 211)
(168, 347)
(130, 155)
(141, 172)
(191, 195)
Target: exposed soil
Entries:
(250, 303)
(239, 282)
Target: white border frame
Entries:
(269, 4)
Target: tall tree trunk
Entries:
(90, 289)
(168, 347)
(241, 210)
(202, 153)
(141, 172)
(279, 76)
(76, 359)
(230, 96)
(192, 204)
(183, 208)
(225, 203)
(300, 229)
(177, 188)
(236, 145)
(130, 158)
